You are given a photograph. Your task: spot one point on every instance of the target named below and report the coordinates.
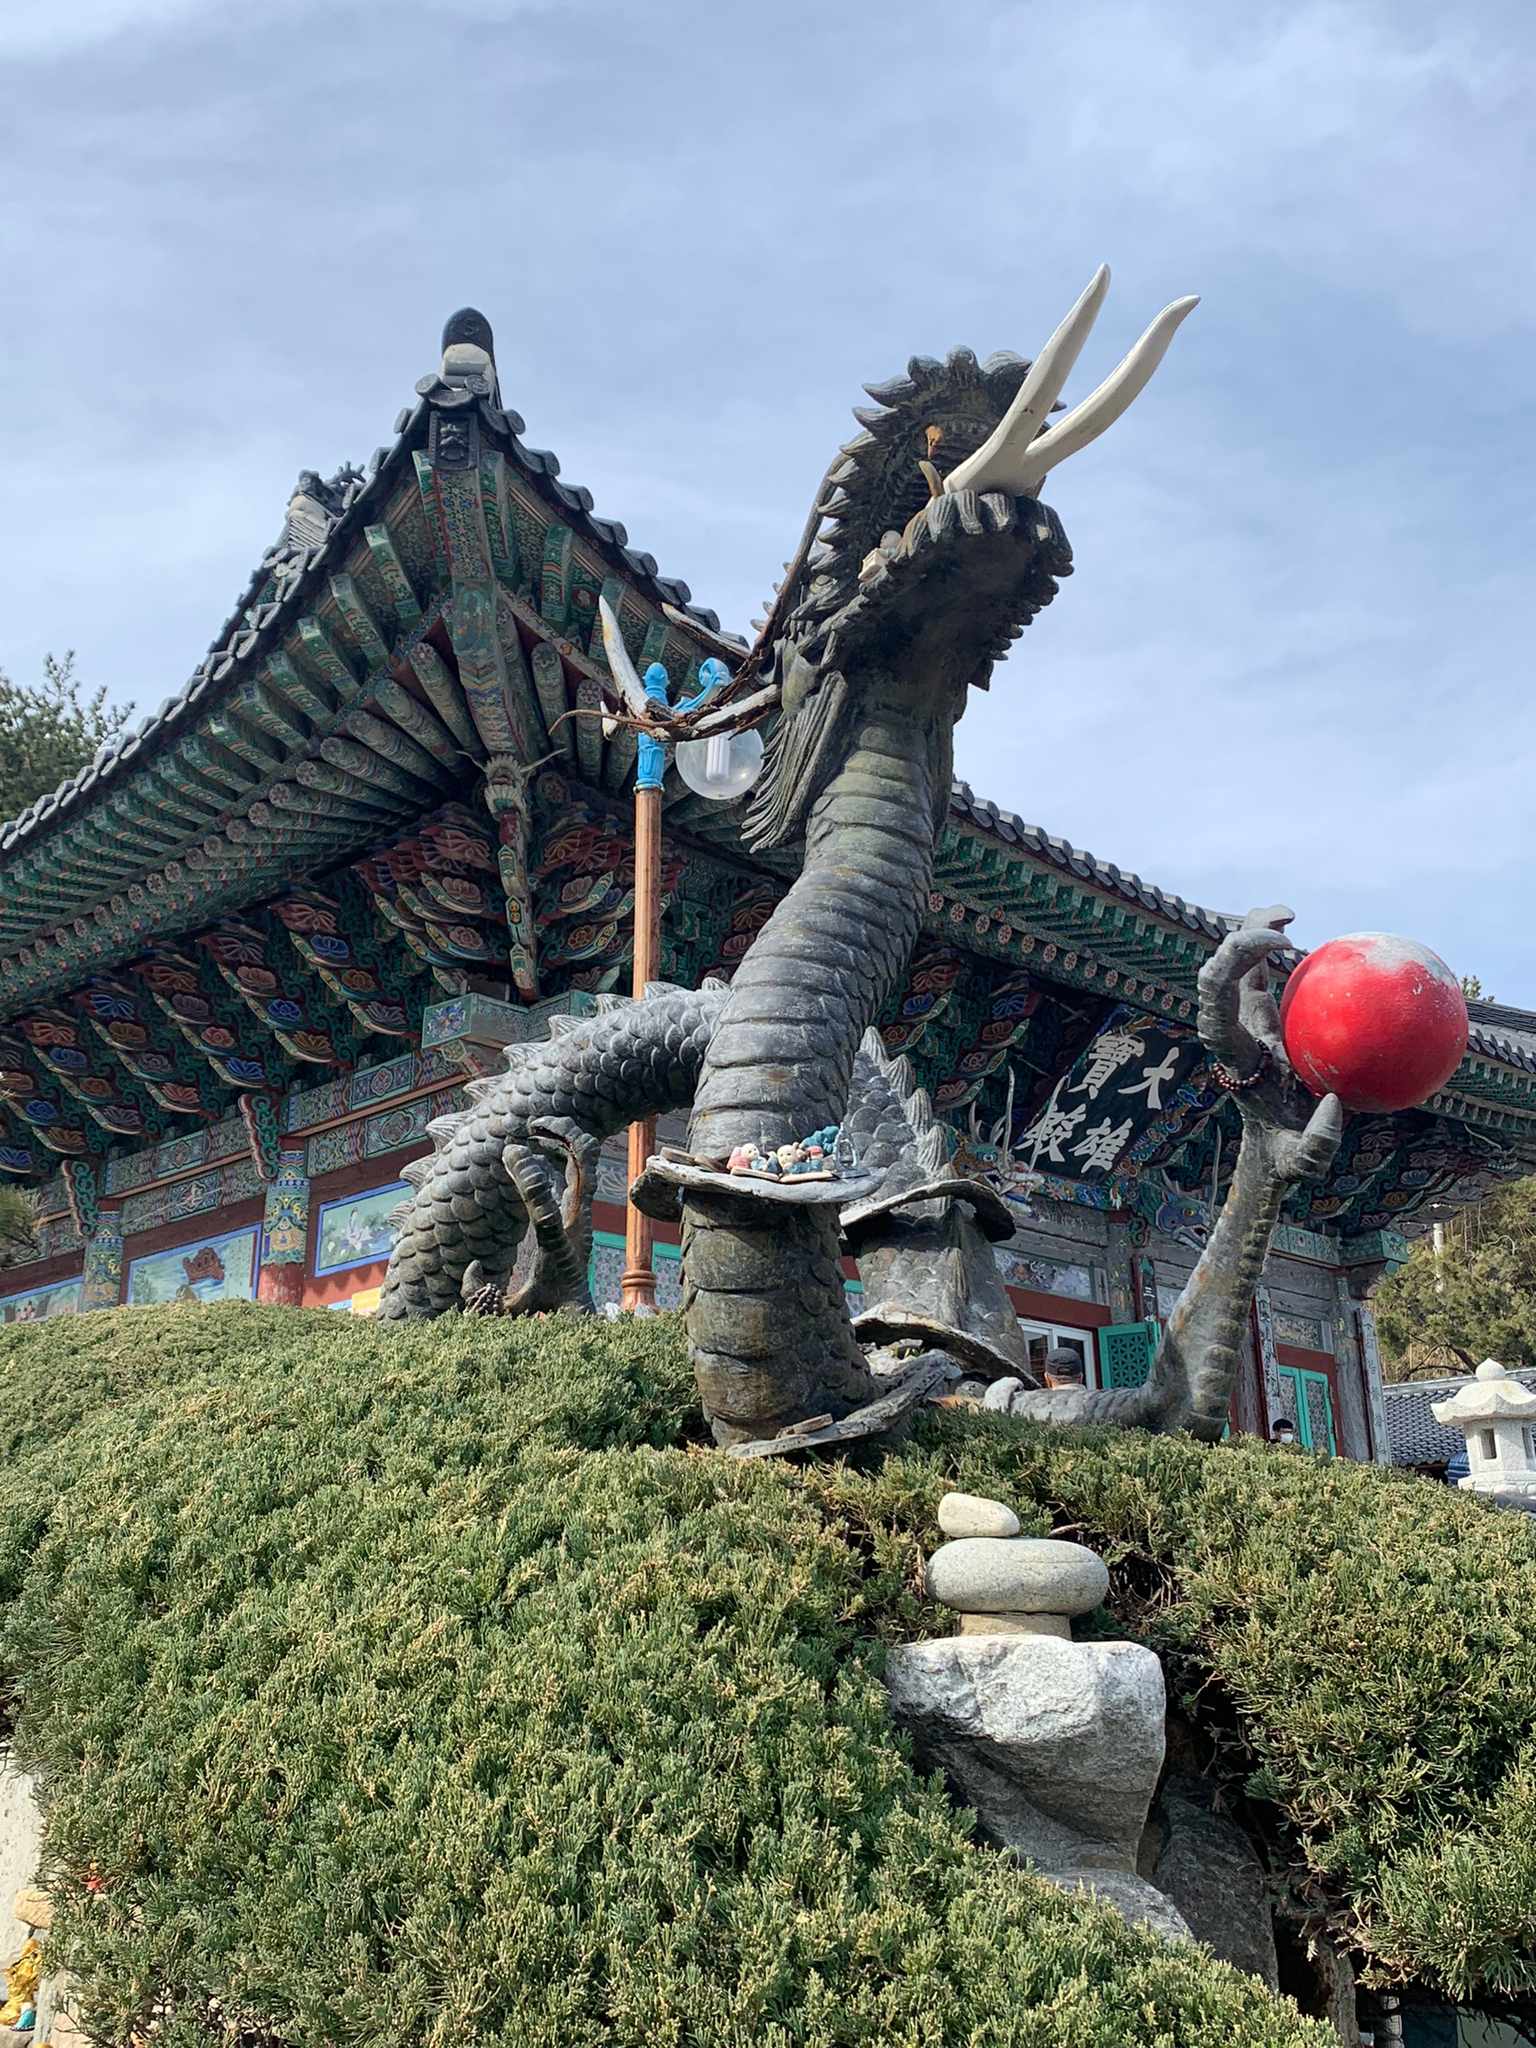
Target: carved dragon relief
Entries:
(925, 554)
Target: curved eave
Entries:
(203, 808)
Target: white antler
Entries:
(1002, 1130)
(997, 459)
(627, 683)
(1016, 457)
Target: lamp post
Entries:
(715, 762)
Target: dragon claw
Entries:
(1307, 1154)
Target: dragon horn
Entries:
(1001, 463)
(620, 667)
(1101, 408)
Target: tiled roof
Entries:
(1415, 1436)
(1087, 867)
(1499, 1031)
(1505, 1032)
(360, 500)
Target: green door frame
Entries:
(1303, 1379)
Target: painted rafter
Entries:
(1043, 900)
(492, 667)
(176, 990)
(116, 1014)
(393, 575)
(241, 953)
(337, 952)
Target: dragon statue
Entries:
(926, 552)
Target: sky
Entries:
(1294, 663)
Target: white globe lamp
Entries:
(721, 768)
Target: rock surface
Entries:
(1057, 1745)
(33, 1908)
(21, 1835)
(1030, 1575)
(1142, 1904)
(971, 1514)
(1212, 1873)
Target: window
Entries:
(1127, 1352)
(1490, 1449)
(1045, 1337)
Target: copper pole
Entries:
(637, 1287)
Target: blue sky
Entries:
(1294, 662)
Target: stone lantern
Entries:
(1497, 1416)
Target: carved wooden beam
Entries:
(175, 989)
(936, 968)
(57, 1044)
(241, 954)
(156, 1059)
(751, 911)
(341, 959)
(509, 799)
(34, 1105)
(261, 1113)
(1009, 1008)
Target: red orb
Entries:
(1378, 1021)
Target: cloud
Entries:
(1292, 660)
(41, 29)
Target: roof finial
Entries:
(469, 354)
(471, 326)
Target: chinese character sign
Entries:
(1122, 1084)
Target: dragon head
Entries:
(927, 549)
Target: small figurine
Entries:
(21, 1982)
(752, 1159)
(811, 1158)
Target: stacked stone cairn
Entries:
(1056, 1744)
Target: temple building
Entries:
(263, 940)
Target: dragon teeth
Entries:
(967, 510)
(940, 515)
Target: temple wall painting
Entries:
(356, 1230)
(209, 1269)
(62, 1298)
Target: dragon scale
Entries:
(762, 1289)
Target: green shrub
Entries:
(428, 1683)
